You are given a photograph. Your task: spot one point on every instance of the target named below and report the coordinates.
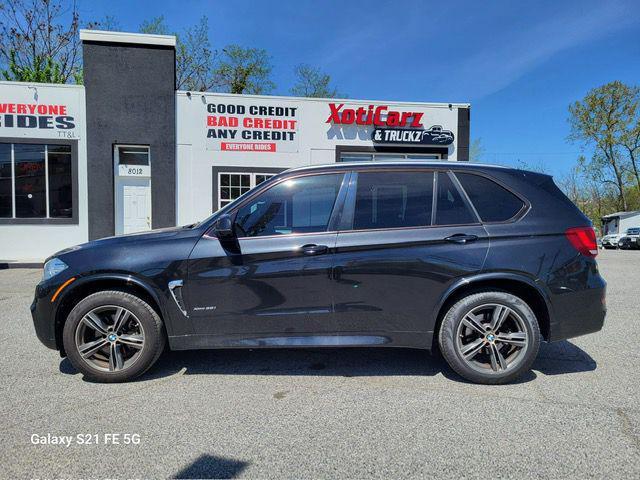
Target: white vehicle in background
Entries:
(615, 225)
(611, 241)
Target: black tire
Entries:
(142, 314)
(451, 339)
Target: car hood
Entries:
(132, 238)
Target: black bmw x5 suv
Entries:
(482, 262)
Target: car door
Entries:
(273, 277)
(405, 236)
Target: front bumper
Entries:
(43, 312)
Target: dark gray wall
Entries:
(464, 123)
(130, 98)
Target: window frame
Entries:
(393, 150)
(252, 184)
(74, 219)
(346, 224)
(334, 217)
(526, 205)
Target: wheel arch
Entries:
(518, 285)
(88, 285)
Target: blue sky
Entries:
(520, 64)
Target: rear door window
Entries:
(451, 208)
(493, 202)
(393, 199)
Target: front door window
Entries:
(297, 205)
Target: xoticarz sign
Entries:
(249, 126)
(379, 116)
(435, 135)
(35, 116)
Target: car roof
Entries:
(340, 166)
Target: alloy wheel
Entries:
(110, 338)
(492, 338)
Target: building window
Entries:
(232, 185)
(386, 157)
(130, 155)
(35, 181)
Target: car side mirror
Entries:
(223, 227)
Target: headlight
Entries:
(52, 268)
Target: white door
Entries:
(133, 210)
(132, 175)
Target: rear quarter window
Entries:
(493, 202)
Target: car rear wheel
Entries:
(113, 336)
(490, 337)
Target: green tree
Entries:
(43, 70)
(311, 82)
(195, 58)
(602, 121)
(630, 143)
(244, 70)
(39, 40)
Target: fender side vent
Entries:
(175, 287)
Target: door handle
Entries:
(313, 249)
(461, 238)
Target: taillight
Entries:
(583, 239)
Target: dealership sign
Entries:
(390, 126)
(36, 116)
(41, 111)
(406, 136)
(378, 116)
(247, 126)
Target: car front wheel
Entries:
(113, 336)
(490, 337)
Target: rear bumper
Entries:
(578, 313)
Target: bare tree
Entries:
(311, 82)
(40, 36)
(195, 59)
(109, 23)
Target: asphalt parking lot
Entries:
(327, 413)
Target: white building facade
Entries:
(229, 143)
(43, 169)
